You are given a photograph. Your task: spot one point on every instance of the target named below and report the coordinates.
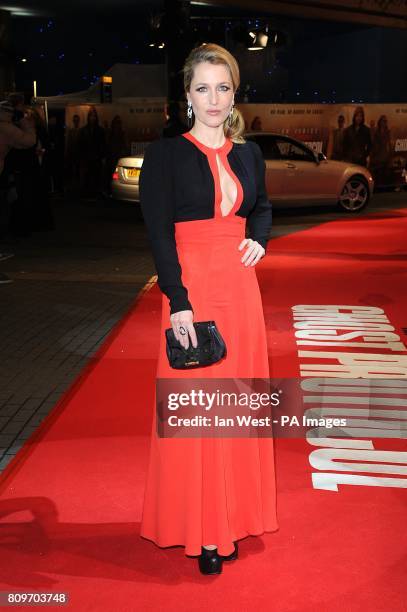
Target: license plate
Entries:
(132, 172)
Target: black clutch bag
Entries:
(211, 347)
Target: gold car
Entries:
(298, 176)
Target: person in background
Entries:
(41, 213)
(19, 136)
(117, 146)
(335, 146)
(92, 152)
(56, 155)
(380, 153)
(357, 140)
(72, 173)
(30, 170)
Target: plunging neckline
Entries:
(211, 153)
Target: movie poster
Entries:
(372, 135)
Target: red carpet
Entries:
(70, 502)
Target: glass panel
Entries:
(293, 152)
(268, 146)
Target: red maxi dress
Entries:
(202, 491)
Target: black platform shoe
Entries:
(232, 555)
(210, 562)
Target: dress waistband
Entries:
(230, 226)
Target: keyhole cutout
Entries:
(228, 189)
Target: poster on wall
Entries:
(340, 130)
(337, 130)
(141, 120)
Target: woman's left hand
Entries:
(254, 252)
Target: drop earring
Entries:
(231, 116)
(189, 113)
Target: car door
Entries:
(300, 170)
(274, 165)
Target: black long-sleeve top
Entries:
(176, 184)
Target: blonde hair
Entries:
(215, 54)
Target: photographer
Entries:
(18, 135)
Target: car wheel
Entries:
(355, 195)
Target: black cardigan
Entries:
(176, 184)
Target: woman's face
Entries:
(211, 90)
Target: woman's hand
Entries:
(254, 252)
(181, 322)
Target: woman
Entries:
(197, 190)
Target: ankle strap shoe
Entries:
(209, 561)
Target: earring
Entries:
(231, 115)
(189, 113)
